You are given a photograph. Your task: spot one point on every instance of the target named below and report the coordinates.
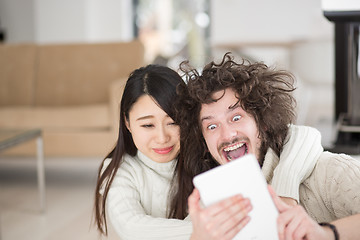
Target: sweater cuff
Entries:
(288, 188)
(297, 160)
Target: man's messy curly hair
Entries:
(263, 92)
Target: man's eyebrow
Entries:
(206, 118)
(235, 105)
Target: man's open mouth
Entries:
(235, 151)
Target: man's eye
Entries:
(236, 118)
(211, 127)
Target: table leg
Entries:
(41, 172)
(0, 225)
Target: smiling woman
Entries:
(154, 132)
(134, 179)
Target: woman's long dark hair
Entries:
(160, 83)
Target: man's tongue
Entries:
(239, 152)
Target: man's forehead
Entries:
(224, 101)
(229, 94)
(231, 105)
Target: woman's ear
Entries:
(127, 123)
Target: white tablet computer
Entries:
(242, 176)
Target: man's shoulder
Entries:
(333, 174)
(336, 181)
(332, 163)
(330, 158)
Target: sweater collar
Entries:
(270, 162)
(159, 167)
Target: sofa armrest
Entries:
(116, 89)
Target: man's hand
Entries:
(294, 223)
(222, 220)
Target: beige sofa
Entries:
(70, 91)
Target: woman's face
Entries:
(153, 131)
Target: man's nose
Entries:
(228, 131)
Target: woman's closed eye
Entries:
(172, 123)
(147, 125)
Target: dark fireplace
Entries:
(347, 79)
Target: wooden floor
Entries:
(69, 193)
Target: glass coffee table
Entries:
(12, 137)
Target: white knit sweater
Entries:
(331, 191)
(297, 160)
(138, 197)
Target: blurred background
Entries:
(294, 35)
(302, 36)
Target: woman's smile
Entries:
(163, 150)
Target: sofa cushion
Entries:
(68, 144)
(17, 73)
(91, 117)
(75, 74)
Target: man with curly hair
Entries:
(232, 109)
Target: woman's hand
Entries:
(222, 220)
(294, 223)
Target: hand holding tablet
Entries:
(242, 176)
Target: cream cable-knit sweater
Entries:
(138, 197)
(297, 160)
(331, 191)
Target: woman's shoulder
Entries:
(130, 171)
(128, 163)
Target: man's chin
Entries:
(222, 160)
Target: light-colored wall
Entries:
(292, 35)
(18, 20)
(109, 21)
(261, 21)
(55, 21)
(60, 21)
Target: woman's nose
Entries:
(162, 135)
